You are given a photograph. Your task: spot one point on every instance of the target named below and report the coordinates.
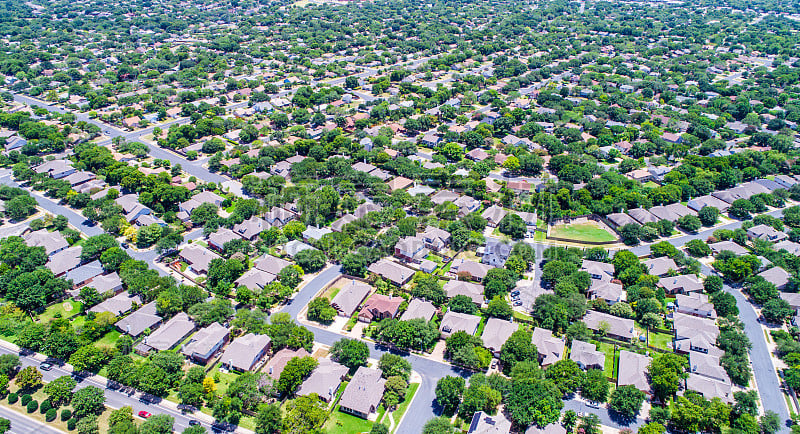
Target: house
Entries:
(458, 287)
(598, 270)
(707, 366)
(701, 202)
(671, 212)
(145, 318)
(394, 272)
(313, 233)
(250, 228)
(709, 388)
(419, 308)
(293, 247)
(642, 216)
(443, 196)
(218, 239)
(171, 333)
(399, 183)
(793, 298)
(199, 199)
(205, 343)
(617, 220)
(119, 304)
(271, 264)
(85, 273)
(550, 348)
(56, 169)
(435, 239)
(455, 321)
(324, 380)
(729, 246)
(493, 215)
(696, 304)
(474, 270)
(278, 216)
(776, 276)
(466, 205)
(379, 306)
(244, 353)
(53, 242)
(683, 284)
(789, 246)
(614, 326)
(349, 297)
(694, 333)
(672, 138)
(611, 292)
(477, 154)
(633, 370)
(482, 423)
(586, 355)
(365, 208)
(255, 279)
(553, 428)
(65, 260)
(766, 233)
(197, 257)
(338, 225)
(107, 283)
(660, 266)
(519, 186)
(496, 252)
(411, 249)
(363, 393)
(278, 361)
(496, 332)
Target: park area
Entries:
(586, 231)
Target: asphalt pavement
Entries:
(23, 424)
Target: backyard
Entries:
(589, 231)
(66, 309)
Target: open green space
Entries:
(109, 340)
(398, 413)
(611, 357)
(340, 422)
(65, 309)
(582, 232)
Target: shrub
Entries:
(32, 406)
(71, 424)
(65, 415)
(50, 415)
(26, 399)
(45, 406)
(12, 398)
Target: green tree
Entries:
(448, 393)
(293, 374)
(304, 414)
(350, 352)
(708, 215)
(499, 308)
(566, 375)
(88, 401)
(157, 424)
(627, 400)
(320, 310)
(666, 372)
(269, 419)
(59, 391)
(29, 378)
(310, 260)
(534, 402)
(513, 226)
(517, 348)
(439, 425)
(392, 365)
(595, 386)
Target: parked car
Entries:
(194, 422)
(144, 414)
(518, 303)
(593, 404)
(515, 293)
(44, 366)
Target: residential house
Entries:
(199, 199)
(611, 292)
(313, 233)
(633, 370)
(613, 326)
(642, 216)
(56, 169)
(244, 353)
(271, 264)
(729, 246)
(482, 423)
(363, 393)
(278, 361)
(171, 333)
(255, 279)
(324, 380)
(419, 308)
(205, 343)
(379, 306)
(251, 228)
(218, 239)
(119, 304)
(598, 270)
(350, 296)
(553, 428)
(766, 233)
(776, 276)
(496, 332)
(586, 355)
(399, 183)
(84, 274)
(617, 220)
(145, 318)
(671, 212)
(411, 249)
(338, 225)
(696, 304)
(496, 252)
(197, 257)
(707, 366)
(474, 270)
(493, 215)
(682, 284)
(710, 388)
(701, 202)
(550, 348)
(694, 333)
(397, 274)
(65, 260)
(458, 287)
(53, 242)
(110, 283)
(455, 321)
(660, 266)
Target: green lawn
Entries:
(59, 310)
(109, 340)
(611, 360)
(522, 316)
(224, 379)
(658, 340)
(539, 236)
(582, 232)
(397, 414)
(340, 422)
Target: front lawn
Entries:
(582, 232)
(346, 423)
(398, 413)
(110, 339)
(225, 379)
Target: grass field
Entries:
(346, 423)
(110, 339)
(582, 232)
(611, 360)
(66, 309)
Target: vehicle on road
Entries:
(518, 303)
(194, 422)
(144, 414)
(44, 366)
(514, 293)
(593, 404)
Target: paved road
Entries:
(22, 424)
(114, 398)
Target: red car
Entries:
(144, 414)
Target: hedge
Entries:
(65, 415)
(50, 415)
(32, 406)
(71, 424)
(12, 398)
(45, 407)
(26, 399)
